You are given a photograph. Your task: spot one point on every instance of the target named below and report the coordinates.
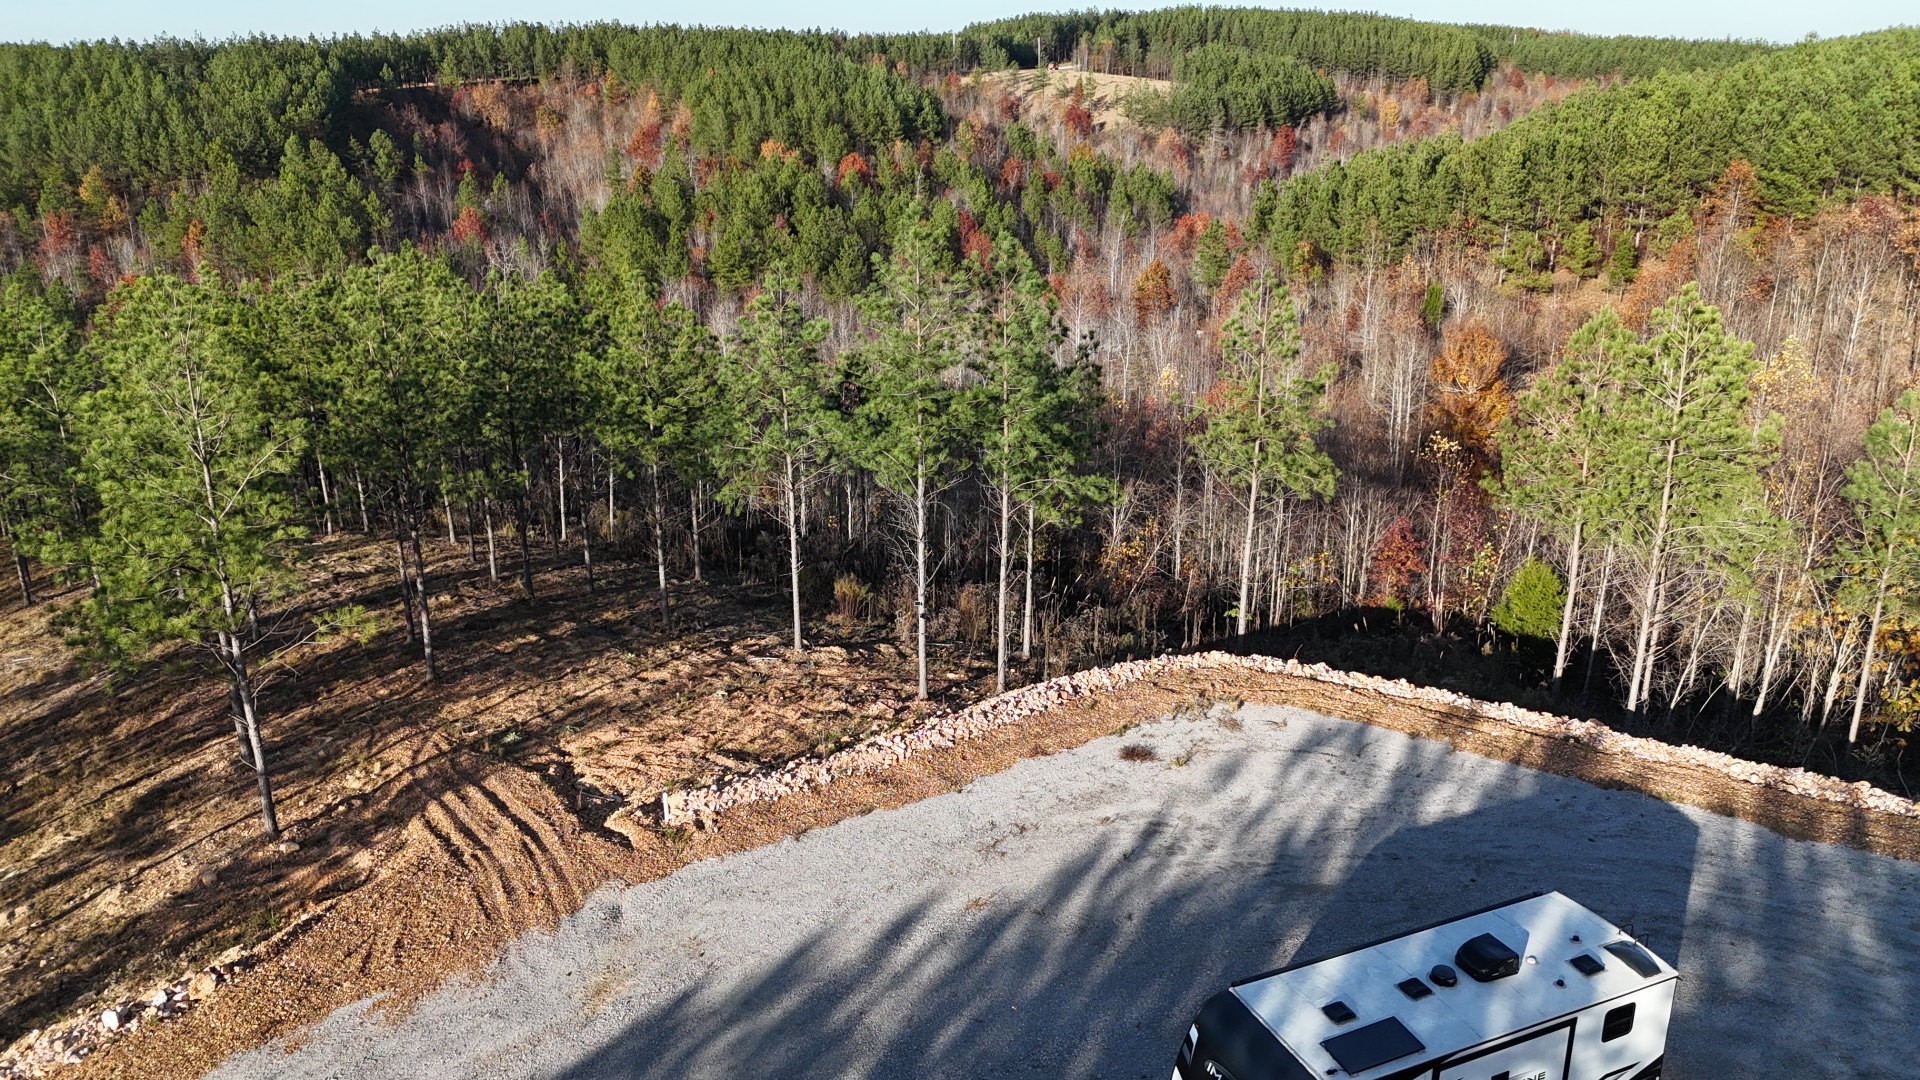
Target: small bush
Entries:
(1138, 752)
(1532, 604)
(853, 602)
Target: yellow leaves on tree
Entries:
(1468, 396)
(1152, 293)
(1389, 110)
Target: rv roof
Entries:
(1548, 931)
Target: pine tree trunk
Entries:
(1737, 678)
(360, 489)
(1246, 558)
(446, 507)
(1005, 553)
(1282, 556)
(586, 547)
(793, 553)
(25, 574)
(326, 494)
(1566, 610)
(236, 711)
(1026, 609)
(493, 563)
(243, 693)
(1656, 553)
(1599, 621)
(1866, 652)
(660, 545)
(406, 584)
(426, 616)
(240, 687)
(523, 520)
(693, 505)
(920, 577)
(560, 487)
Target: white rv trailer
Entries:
(1537, 988)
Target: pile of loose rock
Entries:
(699, 806)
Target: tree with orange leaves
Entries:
(1470, 399)
(1152, 293)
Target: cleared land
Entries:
(452, 815)
(1067, 915)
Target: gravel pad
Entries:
(1064, 919)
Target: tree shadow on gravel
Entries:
(1096, 970)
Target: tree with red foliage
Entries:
(1395, 562)
(1079, 118)
(1280, 151)
(975, 244)
(469, 229)
(853, 167)
(643, 145)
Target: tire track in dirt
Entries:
(492, 853)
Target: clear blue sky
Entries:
(67, 20)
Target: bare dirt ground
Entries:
(435, 823)
(452, 815)
(1048, 91)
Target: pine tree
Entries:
(1532, 603)
(1034, 416)
(405, 321)
(1580, 254)
(782, 402)
(653, 394)
(909, 414)
(42, 376)
(1884, 489)
(1211, 256)
(1688, 474)
(1555, 463)
(196, 532)
(517, 387)
(1263, 415)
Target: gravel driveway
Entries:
(1065, 917)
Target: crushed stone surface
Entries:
(1066, 916)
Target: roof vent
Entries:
(1634, 957)
(1485, 958)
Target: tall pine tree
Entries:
(909, 415)
(196, 532)
(1884, 489)
(1263, 415)
(782, 408)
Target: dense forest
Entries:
(1616, 394)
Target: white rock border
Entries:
(700, 806)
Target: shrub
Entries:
(1532, 604)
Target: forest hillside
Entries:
(628, 407)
